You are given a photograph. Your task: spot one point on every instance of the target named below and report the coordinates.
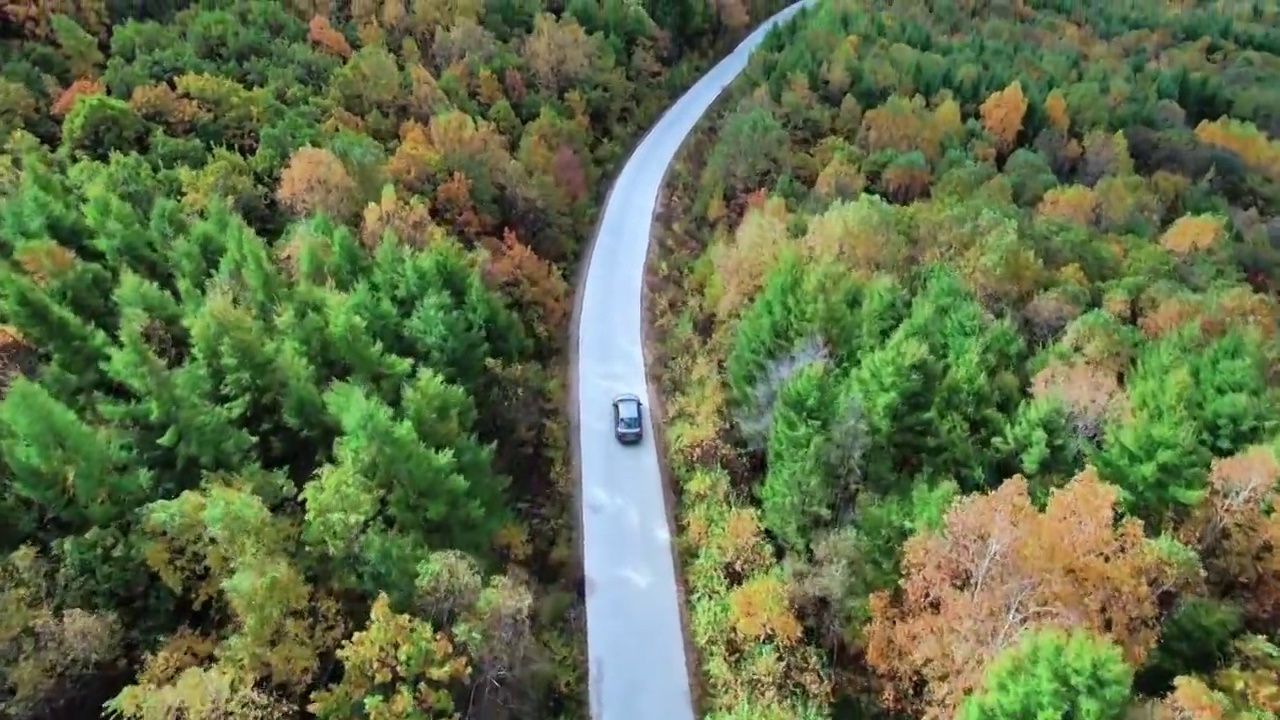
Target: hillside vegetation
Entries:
(284, 288)
(969, 343)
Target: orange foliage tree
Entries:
(67, 99)
(1003, 113)
(999, 567)
(320, 32)
(315, 180)
(537, 286)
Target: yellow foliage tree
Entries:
(398, 664)
(742, 265)
(761, 611)
(1245, 140)
(903, 125)
(408, 219)
(1055, 108)
(865, 235)
(1192, 233)
(1073, 203)
(840, 180)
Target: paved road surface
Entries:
(637, 668)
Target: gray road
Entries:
(637, 666)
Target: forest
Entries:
(284, 294)
(967, 333)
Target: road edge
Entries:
(654, 400)
(571, 413)
(657, 407)
(657, 417)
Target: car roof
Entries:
(626, 397)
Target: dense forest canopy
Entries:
(970, 353)
(283, 295)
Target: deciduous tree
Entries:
(398, 666)
(1002, 114)
(998, 568)
(1237, 532)
(315, 180)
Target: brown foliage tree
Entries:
(1049, 313)
(559, 53)
(906, 179)
(1002, 114)
(31, 17)
(998, 567)
(1237, 532)
(456, 208)
(17, 357)
(465, 45)
(159, 103)
(428, 16)
(733, 13)
(568, 172)
(315, 180)
(1090, 394)
(48, 657)
(1104, 154)
(1167, 314)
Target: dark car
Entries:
(626, 419)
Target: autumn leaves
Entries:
(973, 332)
(998, 566)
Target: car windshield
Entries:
(629, 414)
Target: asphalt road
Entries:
(636, 661)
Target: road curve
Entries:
(635, 645)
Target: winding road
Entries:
(637, 668)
